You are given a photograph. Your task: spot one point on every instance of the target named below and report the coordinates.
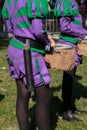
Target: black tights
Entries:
(43, 96)
(42, 108)
(67, 86)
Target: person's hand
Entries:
(10, 35)
(85, 38)
(52, 41)
(84, 41)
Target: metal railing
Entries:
(51, 24)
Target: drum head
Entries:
(61, 46)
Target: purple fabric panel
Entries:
(20, 19)
(33, 8)
(43, 68)
(74, 4)
(41, 9)
(67, 26)
(9, 27)
(57, 5)
(23, 32)
(11, 9)
(78, 18)
(62, 8)
(8, 22)
(18, 68)
(20, 4)
(8, 7)
(38, 31)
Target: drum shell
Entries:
(82, 48)
(62, 59)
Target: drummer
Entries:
(71, 31)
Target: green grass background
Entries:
(8, 119)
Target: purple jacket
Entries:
(70, 21)
(19, 23)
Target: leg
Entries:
(69, 105)
(67, 86)
(22, 105)
(43, 96)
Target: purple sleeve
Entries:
(9, 26)
(39, 31)
(7, 12)
(69, 27)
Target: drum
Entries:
(82, 47)
(63, 57)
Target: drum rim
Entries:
(61, 46)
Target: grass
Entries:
(8, 119)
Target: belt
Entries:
(33, 43)
(21, 39)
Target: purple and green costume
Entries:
(25, 18)
(70, 24)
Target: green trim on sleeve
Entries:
(76, 22)
(16, 1)
(21, 12)
(5, 12)
(23, 25)
(69, 39)
(37, 50)
(9, 3)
